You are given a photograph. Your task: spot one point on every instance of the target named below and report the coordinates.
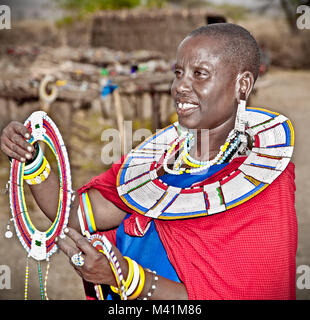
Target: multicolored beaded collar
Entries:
(41, 245)
(142, 190)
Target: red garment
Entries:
(247, 252)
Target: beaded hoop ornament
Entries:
(141, 189)
(41, 245)
(99, 242)
(103, 245)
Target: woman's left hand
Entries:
(96, 267)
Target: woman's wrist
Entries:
(145, 284)
(151, 281)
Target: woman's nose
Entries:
(183, 85)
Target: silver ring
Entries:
(77, 259)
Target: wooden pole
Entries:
(119, 116)
(156, 123)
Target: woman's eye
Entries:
(201, 73)
(177, 73)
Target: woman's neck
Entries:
(208, 141)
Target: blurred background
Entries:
(92, 64)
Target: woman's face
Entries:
(204, 85)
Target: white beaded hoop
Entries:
(41, 245)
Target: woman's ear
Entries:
(244, 85)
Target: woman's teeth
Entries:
(184, 106)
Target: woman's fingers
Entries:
(20, 129)
(66, 248)
(95, 268)
(10, 153)
(13, 142)
(18, 134)
(22, 143)
(81, 242)
(16, 148)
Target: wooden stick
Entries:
(119, 116)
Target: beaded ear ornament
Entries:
(40, 245)
(140, 186)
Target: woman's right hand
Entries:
(13, 142)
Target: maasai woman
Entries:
(203, 209)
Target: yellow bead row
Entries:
(26, 280)
(37, 172)
(40, 175)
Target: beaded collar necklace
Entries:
(40, 245)
(141, 189)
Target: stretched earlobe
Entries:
(241, 116)
(245, 83)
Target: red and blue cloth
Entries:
(247, 252)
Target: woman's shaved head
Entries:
(236, 45)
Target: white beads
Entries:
(8, 234)
(231, 144)
(153, 285)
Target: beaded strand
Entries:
(45, 280)
(153, 285)
(231, 145)
(40, 280)
(26, 279)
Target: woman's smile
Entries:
(185, 109)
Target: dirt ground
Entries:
(284, 91)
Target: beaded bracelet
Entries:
(140, 286)
(135, 279)
(89, 213)
(152, 287)
(36, 171)
(129, 276)
(85, 214)
(34, 164)
(130, 273)
(40, 175)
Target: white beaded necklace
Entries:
(231, 145)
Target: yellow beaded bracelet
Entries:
(40, 178)
(140, 286)
(40, 175)
(38, 172)
(129, 276)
